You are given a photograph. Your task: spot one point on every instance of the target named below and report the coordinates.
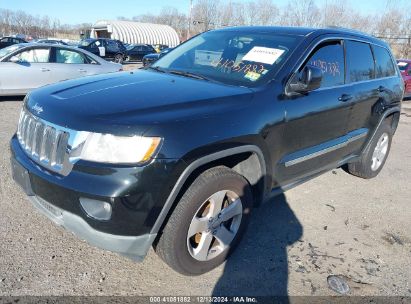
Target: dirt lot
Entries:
(335, 224)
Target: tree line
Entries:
(392, 24)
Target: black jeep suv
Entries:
(109, 49)
(177, 155)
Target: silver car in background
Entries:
(27, 66)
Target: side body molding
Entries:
(198, 163)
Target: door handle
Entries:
(82, 71)
(345, 97)
(45, 70)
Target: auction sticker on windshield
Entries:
(263, 55)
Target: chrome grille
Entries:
(44, 143)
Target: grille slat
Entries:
(43, 143)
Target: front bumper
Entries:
(136, 194)
(134, 247)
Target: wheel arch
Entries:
(243, 159)
(391, 113)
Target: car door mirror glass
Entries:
(309, 79)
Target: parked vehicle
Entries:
(27, 66)
(177, 155)
(160, 47)
(151, 58)
(405, 68)
(7, 41)
(51, 41)
(106, 48)
(136, 52)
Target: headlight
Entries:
(107, 148)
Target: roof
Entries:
(304, 31)
(137, 32)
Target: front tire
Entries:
(207, 223)
(119, 58)
(373, 159)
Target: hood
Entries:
(128, 100)
(152, 56)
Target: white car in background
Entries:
(27, 66)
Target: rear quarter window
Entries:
(384, 67)
(360, 62)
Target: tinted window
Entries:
(34, 56)
(360, 63)
(383, 63)
(329, 57)
(112, 45)
(68, 56)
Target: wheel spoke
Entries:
(231, 210)
(216, 201)
(201, 252)
(198, 224)
(224, 237)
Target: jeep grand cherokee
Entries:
(177, 155)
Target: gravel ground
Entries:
(335, 224)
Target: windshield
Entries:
(85, 42)
(402, 65)
(231, 57)
(10, 49)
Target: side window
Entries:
(95, 44)
(34, 55)
(68, 56)
(4, 40)
(360, 63)
(384, 66)
(112, 46)
(91, 60)
(329, 57)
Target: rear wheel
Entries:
(207, 223)
(119, 58)
(373, 159)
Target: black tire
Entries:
(363, 167)
(119, 58)
(172, 246)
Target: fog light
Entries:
(98, 210)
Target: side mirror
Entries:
(309, 79)
(14, 59)
(409, 72)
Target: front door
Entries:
(316, 123)
(32, 71)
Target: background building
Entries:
(135, 32)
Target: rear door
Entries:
(68, 64)
(367, 87)
(32, 71)
(316, 122)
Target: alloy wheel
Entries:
(214, 225)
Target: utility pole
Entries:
(189, 19)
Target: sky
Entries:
(80, 11)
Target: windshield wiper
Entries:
(157, 69)
(188, 74)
